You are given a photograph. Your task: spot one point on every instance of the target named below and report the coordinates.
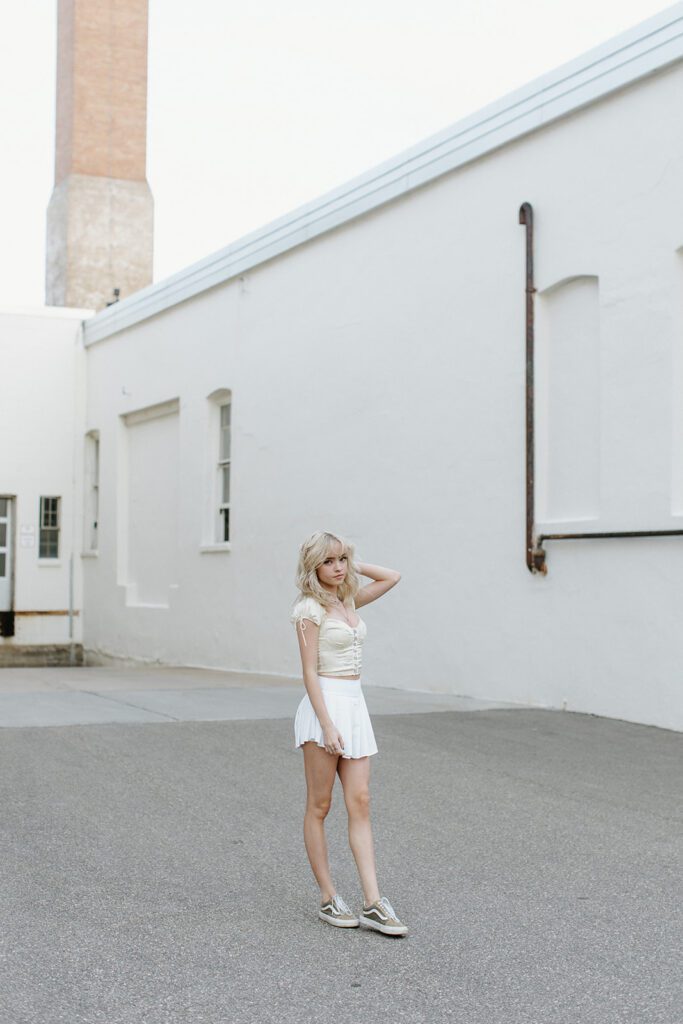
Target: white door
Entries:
(5, 554)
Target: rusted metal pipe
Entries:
(610, 533)
(535, 556)
(613, 533)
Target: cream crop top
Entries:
(339, 644)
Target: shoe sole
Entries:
(386, 929)
(337, 923)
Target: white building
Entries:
(41, 462)
(368, 354)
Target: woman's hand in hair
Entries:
(384, 580)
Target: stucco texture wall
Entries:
(378, 390)
(40, 425)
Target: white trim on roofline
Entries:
(622, 60)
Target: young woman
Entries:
(332, 723)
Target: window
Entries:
(92, 490)
(4, 541)
(217, 472)
(49, 528)
(224, 472)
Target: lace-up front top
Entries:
(339, 644)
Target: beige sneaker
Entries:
(336, 912)
(381, 916)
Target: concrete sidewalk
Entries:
(155, 873)
(92, 695)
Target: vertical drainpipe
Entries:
(78, 416)
(535, 557)
(72, 653)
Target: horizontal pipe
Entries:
(590, 536)
(52, 611)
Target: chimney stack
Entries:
(100, 216)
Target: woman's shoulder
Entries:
(307, 608)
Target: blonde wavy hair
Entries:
(312, 553)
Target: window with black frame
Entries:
(224, 472)
(49, 528)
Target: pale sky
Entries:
(255, 108)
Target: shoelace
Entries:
(342, 905)
(384, 903)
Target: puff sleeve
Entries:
(306, 608)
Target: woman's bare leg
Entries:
(320, 768)
(354, 773)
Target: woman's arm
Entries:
(384, 579)
(309, 661)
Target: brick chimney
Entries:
(100, 216)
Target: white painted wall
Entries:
(42, 357)
(377, 375)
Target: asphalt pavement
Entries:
(152, 867)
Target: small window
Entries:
(4, 543)
(92, 489)
(224, 473)
(49, 528)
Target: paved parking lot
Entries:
(153, 867)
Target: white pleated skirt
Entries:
(346, 704)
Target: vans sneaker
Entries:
(381, 916)
(336, 912)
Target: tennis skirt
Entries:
(346, 705)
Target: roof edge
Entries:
(622, 60)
